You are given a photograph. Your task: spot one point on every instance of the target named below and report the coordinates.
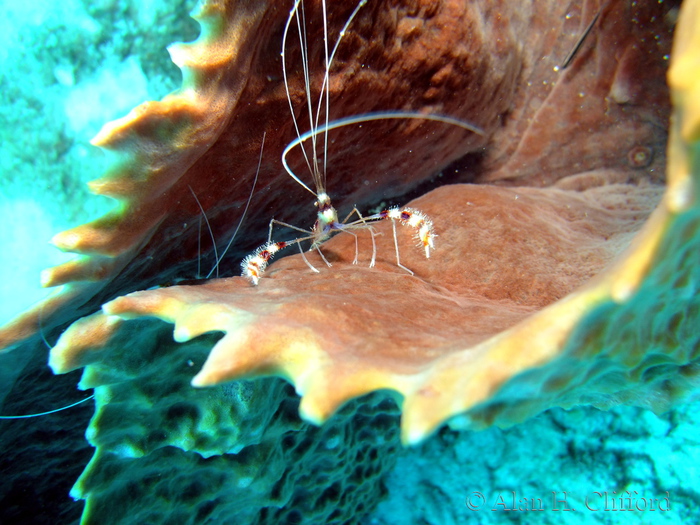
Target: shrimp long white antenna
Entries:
(368, 117)
(27, 416)
(322, 176)
(245, 211)
(39, 414)
(326, 80)
(218, 258)
(286, 82)
(211, 232)
(318, 175)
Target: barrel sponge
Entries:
(486, 332)
(353, 330)
(168, 453)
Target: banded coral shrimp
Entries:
(327, 220)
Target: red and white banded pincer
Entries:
(416, 219)
(254, 264)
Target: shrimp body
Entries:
(326, 221)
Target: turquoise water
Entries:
(67, 68)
